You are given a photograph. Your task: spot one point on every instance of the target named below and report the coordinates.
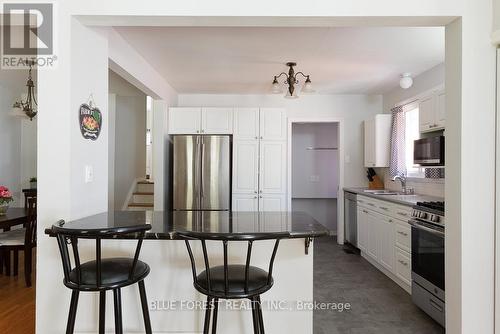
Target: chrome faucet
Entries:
(402, 179)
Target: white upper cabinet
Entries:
(426, 113)
(432, 112)
(246, 166)
(378, 141)
(217, 120)
(272, 167)
(272, 124)
(188, 121)
(184, 120)
(441, 109)
(246, 123)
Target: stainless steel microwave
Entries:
(429, 151)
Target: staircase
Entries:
(143, 197)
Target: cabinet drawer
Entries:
(403, 265)
(402, 236)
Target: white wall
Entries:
(352, 109)
(129, 139)
(17, 137)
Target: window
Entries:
(412, 133)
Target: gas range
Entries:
(430, 212)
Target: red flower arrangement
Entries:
(5, 195)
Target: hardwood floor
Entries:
(17, 302)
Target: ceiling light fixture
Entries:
(28, 103)
(406, 81)
(291, 81)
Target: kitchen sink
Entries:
(381, 192)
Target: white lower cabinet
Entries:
(403, 265)
(386, 242)
(384, 239)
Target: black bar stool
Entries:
(102, 274)
(231, 281)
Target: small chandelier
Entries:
(292, 81)
(29, 105)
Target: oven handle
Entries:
(425, 228)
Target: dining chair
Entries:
(102, 274)
(23, 239)
(231, 281)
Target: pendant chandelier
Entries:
(28, 105)
(292, 81)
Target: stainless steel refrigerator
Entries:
(201, 172)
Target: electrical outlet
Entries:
(314, 178)
(89, 174)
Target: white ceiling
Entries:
(230, 60)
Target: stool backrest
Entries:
(30, 236)
(248, 239)
(67, 237)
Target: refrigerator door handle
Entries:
(202, 150)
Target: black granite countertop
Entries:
(230, 225)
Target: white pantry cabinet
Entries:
(272, 124)
(259, 158)
(183, 120)
(245, 166)
(432, 111)
(246, 123)
(272, 178)
(245, 202)
(272, 202)
(378, 141)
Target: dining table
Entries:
(13, 217)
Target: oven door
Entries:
(429, 151)
(427, 256)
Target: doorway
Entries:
(315, 171)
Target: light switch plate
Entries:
(314, 178)
(89, 174)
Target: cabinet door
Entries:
(217, 120)
(272, 167)
(362, 229)
(426, 114)
(386, 242)
(372, 235)
(272, 124)
(272, 202)
(245, 166)
(440, 109)
(246, 123)
(370, 143)
(184, 120)
(244, 202)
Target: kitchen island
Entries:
(174, 304)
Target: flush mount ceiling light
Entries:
(406, 81)
(292, 81)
